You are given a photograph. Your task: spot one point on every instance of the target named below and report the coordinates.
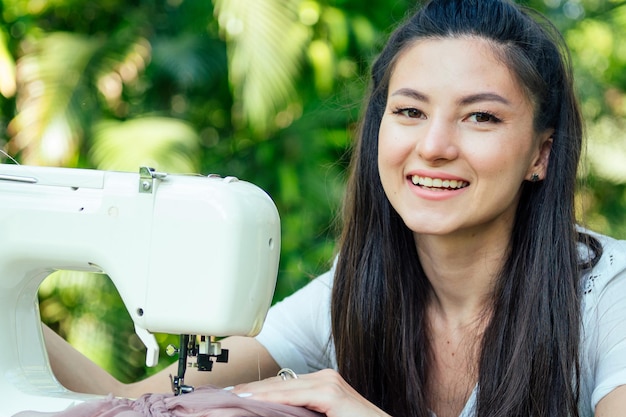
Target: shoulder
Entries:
(610, 267)
(603, 354)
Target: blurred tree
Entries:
(269, 91)
(593, 30)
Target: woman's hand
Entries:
(325, 392)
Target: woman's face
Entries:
(456, 140)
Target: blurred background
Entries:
(269, 91)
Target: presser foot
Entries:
(179, 387)
(203, 349)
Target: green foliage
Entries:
(265, 90)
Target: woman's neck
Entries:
(462, 270)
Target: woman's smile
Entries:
(436, 187)
(436, 183)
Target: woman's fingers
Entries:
(324, 391)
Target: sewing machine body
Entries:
(188, 255)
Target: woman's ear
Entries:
(539, 168)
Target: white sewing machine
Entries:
(189, 255)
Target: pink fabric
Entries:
(203, 402)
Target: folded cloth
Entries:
(203, 402)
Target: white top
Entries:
(297, 331)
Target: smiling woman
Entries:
(463, 285)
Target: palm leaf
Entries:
(266, 44)
(189, 60)
(49, 75)
(159, 142)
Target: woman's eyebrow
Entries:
(411, 93)
(480, 97)
(465, 100)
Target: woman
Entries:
(462, 286)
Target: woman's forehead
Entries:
(460, 61)
(454, 64)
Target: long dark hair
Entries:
(528, 364)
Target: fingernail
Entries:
(245, 394)
(229, 388)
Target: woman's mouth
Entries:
(438, 183)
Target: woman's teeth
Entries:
(438, 182)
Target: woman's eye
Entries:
(483, 117)
(409, 112)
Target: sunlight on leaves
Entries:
(265, 44)
(337, 25)
(321, 58)
(606, 150)
(7, 68)
(593, 43)
(158, 142)
(45, 129)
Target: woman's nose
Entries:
(437, 142)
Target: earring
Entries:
(534, 177)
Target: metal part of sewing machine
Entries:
(189, 255)
(203, 349)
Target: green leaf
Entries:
(266, 43)
(162, 143)
(51, 72)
